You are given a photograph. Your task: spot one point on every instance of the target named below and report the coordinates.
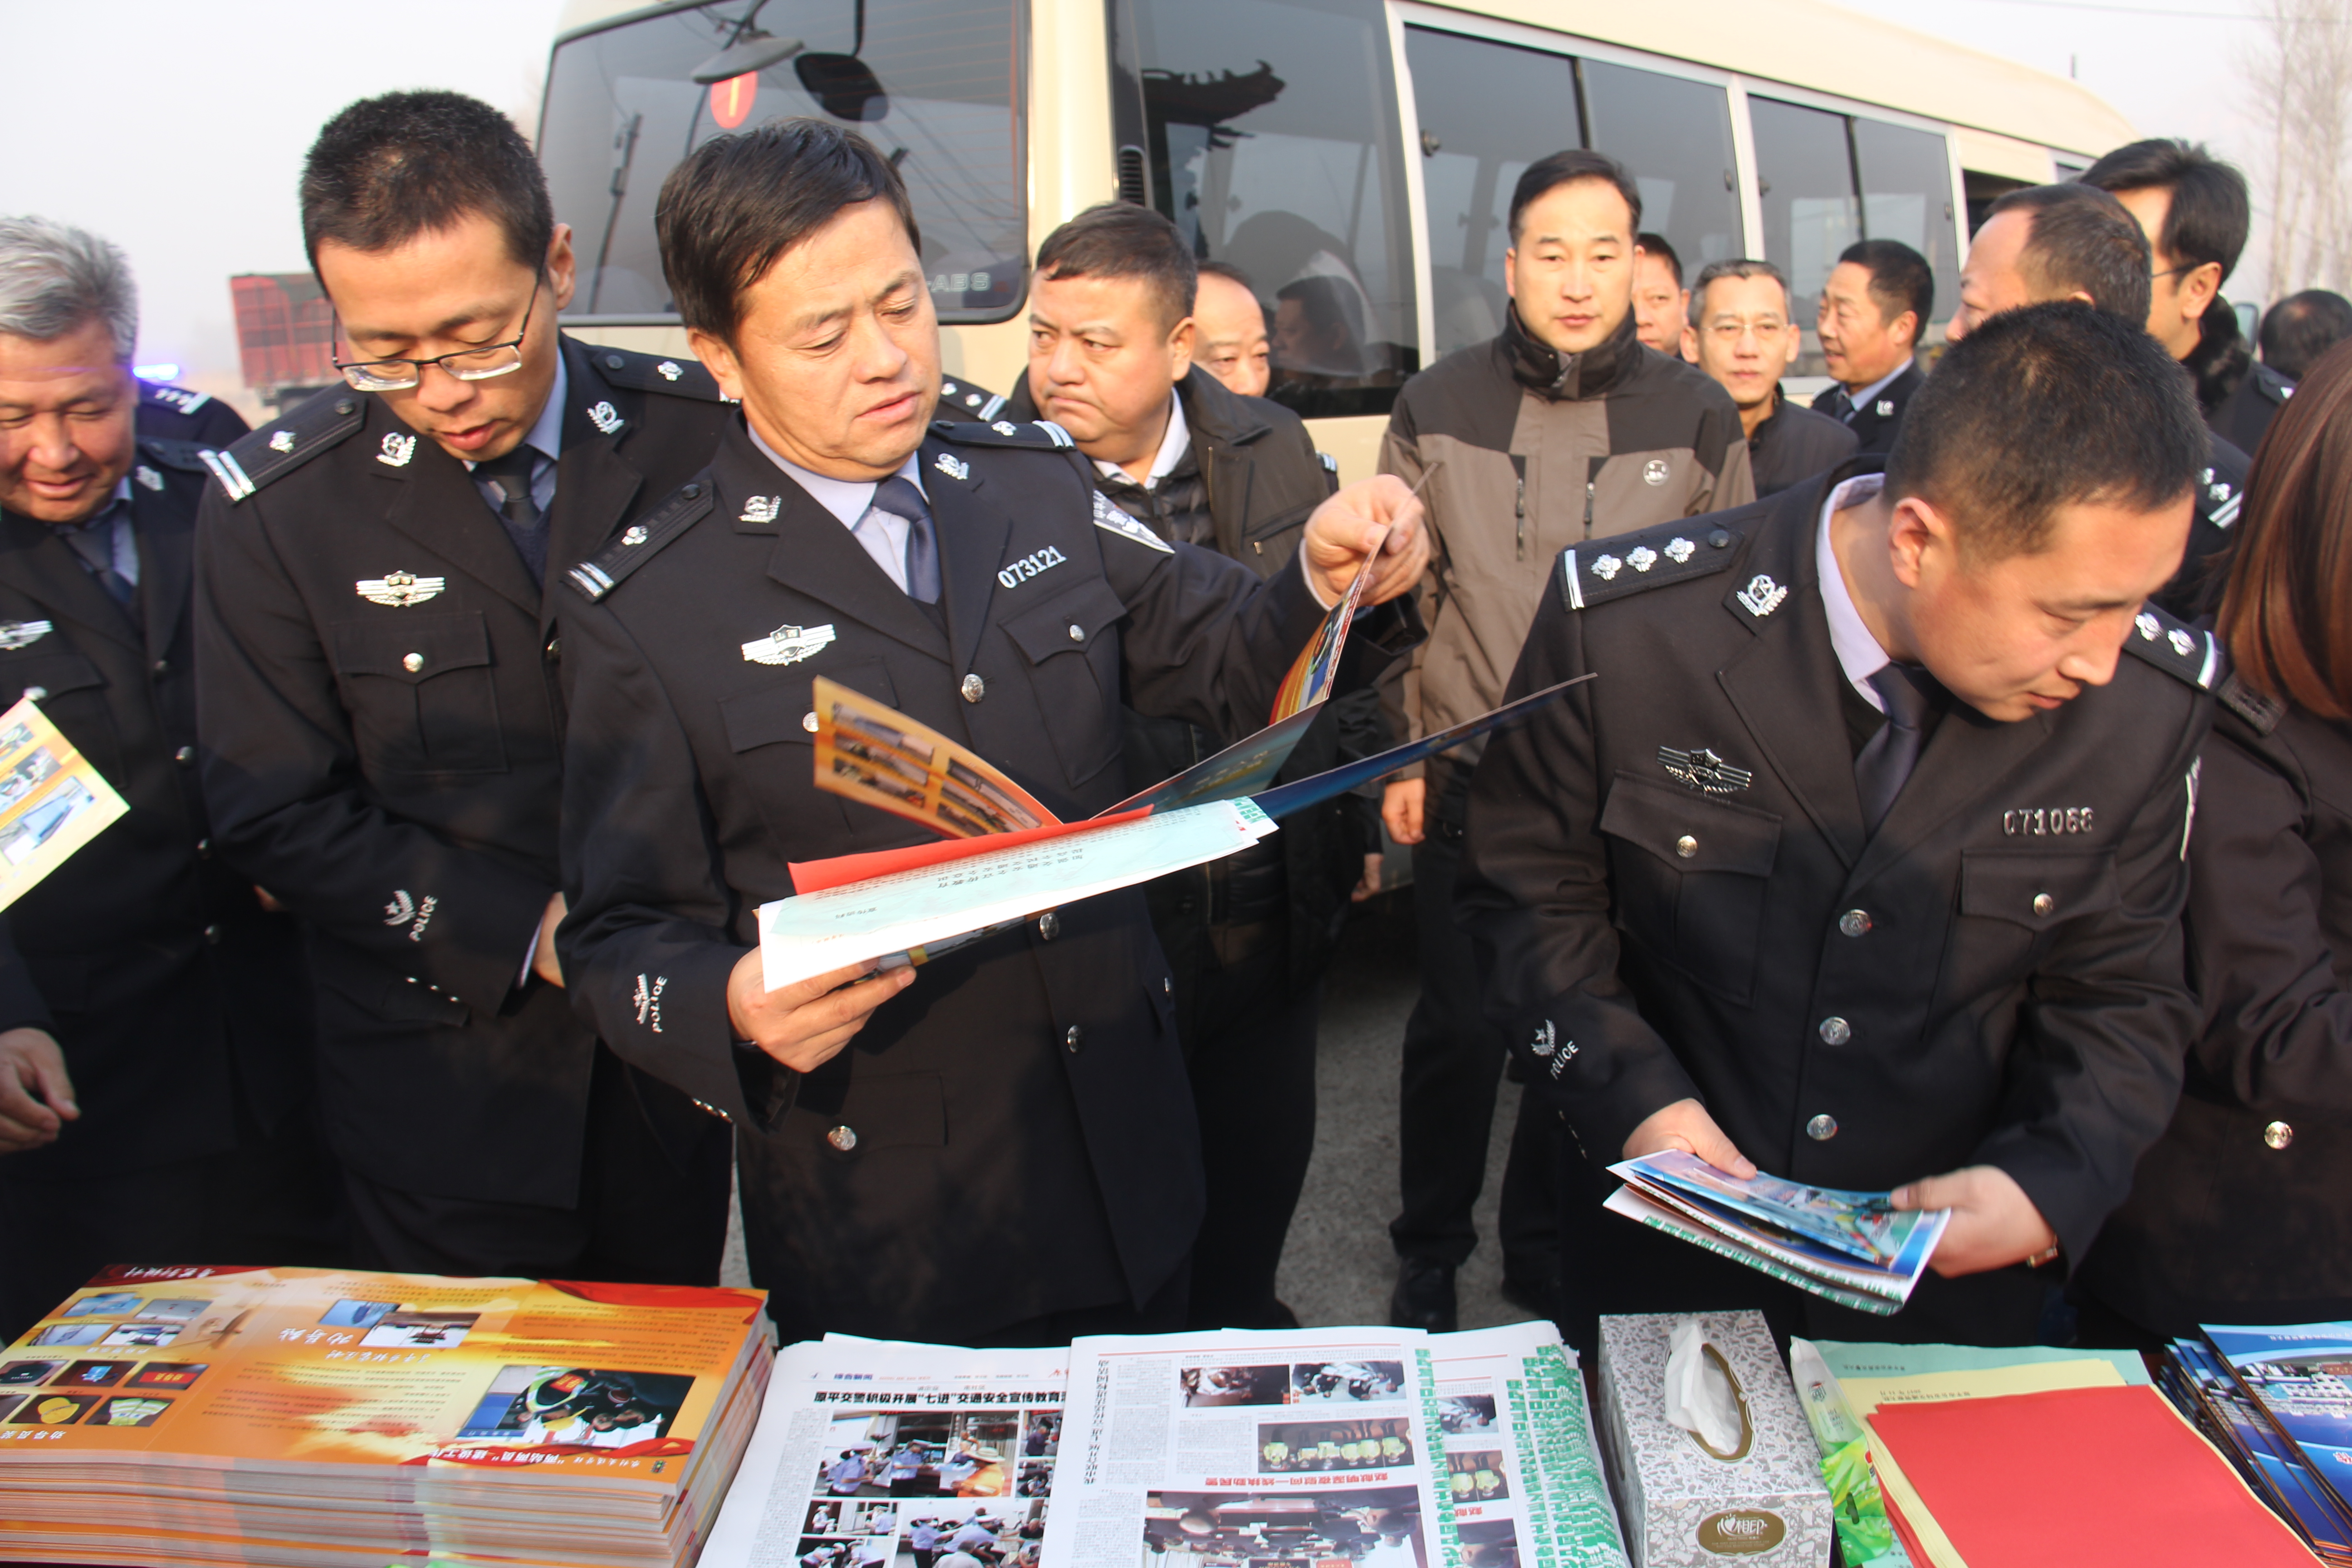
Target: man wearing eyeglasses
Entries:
(379, 710)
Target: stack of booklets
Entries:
(1375, 1447)
(2278, 1402)
(301, 1418)
(2036, 1455)
(1857, 1248)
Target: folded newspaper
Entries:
(1857, 1248)
(1367, 1446)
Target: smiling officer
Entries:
(382, 721)
(1863, 859)
(1009, 1154)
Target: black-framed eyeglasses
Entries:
(465, 364)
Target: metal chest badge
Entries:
(1761, 596)
(397, 449)
(1703, 771)
(399, 590)
(605, 417)
(787, 645)
(14, 635)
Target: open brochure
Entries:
(52, 800)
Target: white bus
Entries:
(1354, 157)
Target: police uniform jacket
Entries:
(182, 1007)
(2239, 1213)
(1019, 1115)
(1875, 423)
(1673, 895)
(382, 734)
(184, 414)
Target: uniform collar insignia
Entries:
(667, 370)
(787, 645)
(1886, 409)
(605, 417)
(397, 449)
(761, 509)
(281, 440)
(398, 590)
(14, 635)
(953, 467)
(1703, 771)
(148, 477)
(1761, 596)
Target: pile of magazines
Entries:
(1855, 1248)
(2278, 1403)
(305, 1417)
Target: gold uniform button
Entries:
(1686, 846)
(1822, 1129)
(974, 687)
(1049, 926)
(1855, 923)
(808, 720)
(1836, 1031)
(844, 1138)
(2043, 904)
(1073, 1039)
(412, 662)
(2278, 1135)
(1077, 632)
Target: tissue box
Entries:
(1684, 1506)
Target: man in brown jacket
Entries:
(1561, 429)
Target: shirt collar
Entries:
(1173, 444)
(1858, 652)
(847, 499)
(545, 435)
(1863, 397)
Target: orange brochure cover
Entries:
(867, 752)
(232, 1367)
(816, 875)
(2074, 1476)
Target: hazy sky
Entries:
(178, 129)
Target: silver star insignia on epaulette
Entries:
(281, 440)
(2147, 624)
(667, 370)
(953, 467)
(1606, 567)
(148, 477)
(1761, 596)
(399, 590)
(636, 536)
(761, 509)
(2183, 643)
(787, 645)
(1641, 558)
(1680, 550)
(397, 449)
(1004, 427)
(14, 635)
(605, 417)
(1703, 771)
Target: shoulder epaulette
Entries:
(2260, 713)
(1604, 569)
(967, 401)
(178, 399)
(2176, 647)
(1036, 435)
(679, 375)
(638, 543)
(188, 456)
(277, 446)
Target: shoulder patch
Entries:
(679, 375)
(1110, 519)
(187, 456)
(601, 573)
(1601, 569)
(178, 399)
(2173, 646)
(277, 446)
(2260, 713)
(1036, 435)
(966, 401)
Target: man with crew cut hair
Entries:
(1861, 862)
(378, 646)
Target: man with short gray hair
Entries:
(155, 1045)
(1742, 332)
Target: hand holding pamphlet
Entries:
(1857, 1248)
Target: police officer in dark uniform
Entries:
(1874, 309)
(382, 718)
(1861, 859)
(1008, 1154)
(156, 1101)
(183, 414)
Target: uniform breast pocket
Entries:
(1074, 668)
(1689, 875)
(71, 692)
(422, 693)
(772, 731)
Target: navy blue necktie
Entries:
(93, 541)
(1887, 762)
(898, 496)
(511, 477)
(1840, 406)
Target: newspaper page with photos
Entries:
(1265, 1449)
(872, 1455)
(52, 800)
(1520, 1479)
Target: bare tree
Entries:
(2299, 72)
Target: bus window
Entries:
(929, 81)
(1275, 146)
(1488, 111)
(1907, 194)
(1805, 171)
(1674, 136)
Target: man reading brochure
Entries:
(997, 1146)
(1862, 861)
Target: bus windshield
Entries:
(931, 82)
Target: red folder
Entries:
(2080, 1476)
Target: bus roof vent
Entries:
(1132, 185)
